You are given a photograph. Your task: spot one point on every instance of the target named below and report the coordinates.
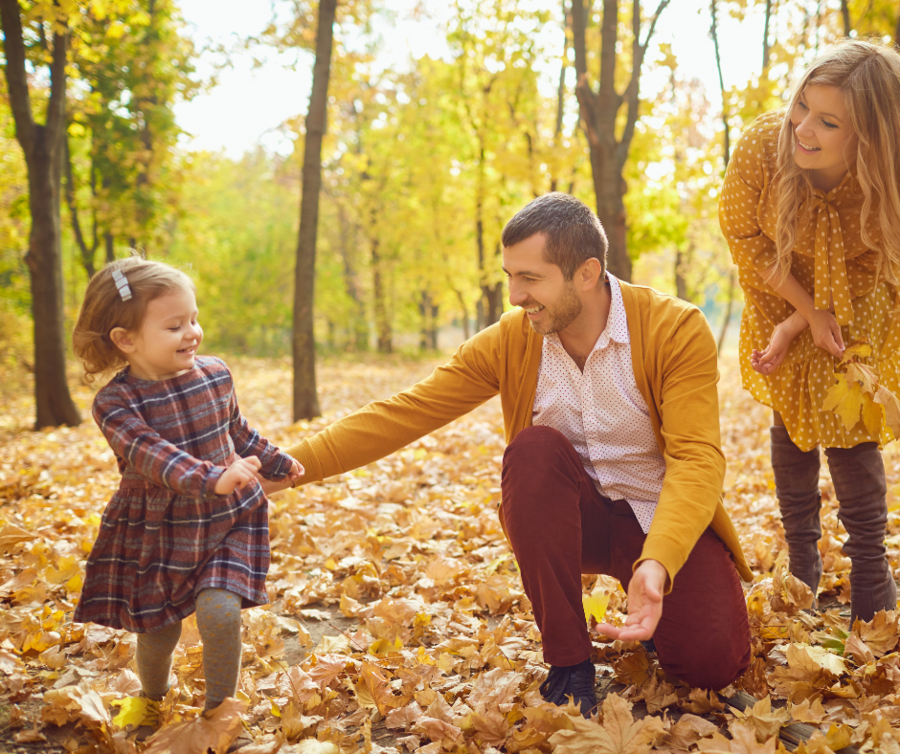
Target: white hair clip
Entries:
(122, 284)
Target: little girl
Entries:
(187, 530)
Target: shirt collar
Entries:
(616, 323)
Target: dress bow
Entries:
(831, 269)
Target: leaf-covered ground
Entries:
(398, 621)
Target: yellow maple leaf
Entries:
(595, 606)
(891, 409)
(845, 399)
(864, 375)
(213, 730)
(872, 415)
(858, 349)
(619, 732)
(132, 710)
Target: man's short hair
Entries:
(572, 232)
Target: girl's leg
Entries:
(858, 476)
(797, 489)
(219, 622)
(154, 659)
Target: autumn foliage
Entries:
(398, 621)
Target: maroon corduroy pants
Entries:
(560, 527)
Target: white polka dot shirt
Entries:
(603, 414)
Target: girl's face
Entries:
(168, 338)
(824, 140)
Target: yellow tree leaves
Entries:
(380, 635)
(618, 733)
(857, 396)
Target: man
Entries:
(613, 464)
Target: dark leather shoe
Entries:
(576, 681)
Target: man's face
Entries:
(551, 302)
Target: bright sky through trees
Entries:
(249, 104)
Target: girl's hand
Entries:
(826, 332)
(240, 473)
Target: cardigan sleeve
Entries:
(688, 406)
(149, 454)
(469, 379)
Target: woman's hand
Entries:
(767, 361)
(826, 332)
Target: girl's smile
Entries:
(168, 338)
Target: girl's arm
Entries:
(275, 464)
(149, 454)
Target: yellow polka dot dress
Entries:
(831, 262)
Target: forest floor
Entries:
(397, 620)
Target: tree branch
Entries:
(87, 255)
(16, 77)
(632, 93)
(56, 108)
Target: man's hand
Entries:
(290, 480)
(241, 472)
(645, 598)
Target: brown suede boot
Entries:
(858, 476)
(797, 488)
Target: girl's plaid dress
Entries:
(165, 535)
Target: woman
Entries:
(811, 210)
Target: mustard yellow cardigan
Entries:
(675, 366)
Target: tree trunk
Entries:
(146, 107)
(726, 320)
(561, 89)
(845, 16)
(714, 32)
(897, 29)
(42, 146)
(351, 282)
(680, 282)
(382, 316)
(428, 310)
(599, 115)
(465, 313)
(306, 400)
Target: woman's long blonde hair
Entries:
(868, 75)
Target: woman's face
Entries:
(824, 140)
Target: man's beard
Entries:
(562, 314)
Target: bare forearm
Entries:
(791, 291)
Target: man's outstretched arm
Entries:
(469, 379)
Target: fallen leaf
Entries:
(213, 730)
(619, 732)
